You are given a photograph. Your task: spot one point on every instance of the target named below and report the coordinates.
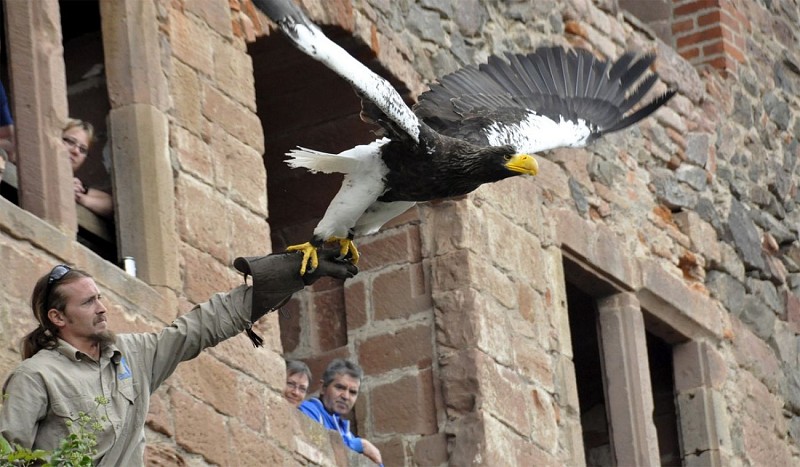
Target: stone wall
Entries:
(459, 315)
(693, 210)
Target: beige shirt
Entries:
(53, 386)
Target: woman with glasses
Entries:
(297, 378)
(77, 138)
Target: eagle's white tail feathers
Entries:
(346, 162)
(318, 161)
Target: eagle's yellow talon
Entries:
(309, 254)
(346, 246)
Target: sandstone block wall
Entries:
(460, 313)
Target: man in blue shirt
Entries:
(338, 395)
(6, 130)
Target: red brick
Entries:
(251, 404)
(203, 275)
(289, 317)
(407, 347)
(690, 53)
(432, 450)
(712, 17)
(533, 362)
(250, 448)
(716, 47)
(682, 26)
(734, 52)
(393, 452)
(355, 303)
(158, 417)
(265, 365)
(162, 455)
(199, 428)
(330, 322)
(390, 247)
(405, 406)
(203, 224)
(694, 7)
(711, 33)
(400, 293)
(209, 380)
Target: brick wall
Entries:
(710, 33)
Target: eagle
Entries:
(479, 124)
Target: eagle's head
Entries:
(499, 162)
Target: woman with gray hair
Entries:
(297, 378)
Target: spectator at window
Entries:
(340, 384)
(77, 137)
(297, 378)
(7, 146)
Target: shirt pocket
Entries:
(72, 407)
(128, 389)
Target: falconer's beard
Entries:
(104, 338)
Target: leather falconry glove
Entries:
(276, 277)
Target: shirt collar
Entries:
(109, 351)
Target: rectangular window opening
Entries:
(665, 418)
(582, 311)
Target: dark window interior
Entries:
(589, 373)
(88, 100)
(665, 418)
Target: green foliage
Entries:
(76, 450)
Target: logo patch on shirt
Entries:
(123, 371)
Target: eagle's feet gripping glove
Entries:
(276, 278)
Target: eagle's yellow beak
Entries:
(523, 163)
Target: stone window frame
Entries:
(138, 127)
(635, 296)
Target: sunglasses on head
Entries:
(56, 274)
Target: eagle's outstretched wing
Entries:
(547, 99)
(307, 37)
(478, 125)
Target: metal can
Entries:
(129, 264)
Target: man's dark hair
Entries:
(296, 366)
(45, 335)
(341, 366)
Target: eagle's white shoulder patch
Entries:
(538, 133)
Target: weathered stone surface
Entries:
(405, 405)
(693, 176)
(207, 379)
(698, 364)
(701, 233)
(425, 24)
(405, 289)
(432, 450)
(745, 236)
(199, 429)
(162, 455)
(697, 147)
(704, 424)
(728, 290)
(406, 347)
(671, 193)
(752, 354)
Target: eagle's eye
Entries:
(507, 157)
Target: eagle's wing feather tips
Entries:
(307, 37)
(562, 98)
